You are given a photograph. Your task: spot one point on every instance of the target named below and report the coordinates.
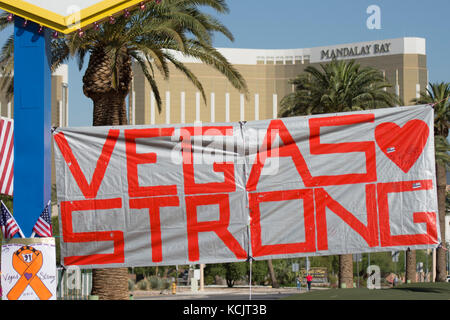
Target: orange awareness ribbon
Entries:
(27, 261)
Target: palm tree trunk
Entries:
(410, 275)
(110, 284)
(346, 271)
(272, 274)
(109, 110)
(441, 265)
(166, 272)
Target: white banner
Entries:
(182, 194)
(28, 269)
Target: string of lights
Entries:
(96, 25)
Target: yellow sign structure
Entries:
(66, 16)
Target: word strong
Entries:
(320, 185)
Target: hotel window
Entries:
(260, 60)
(306, 59)
(288, 60)
(269, 60)
(279, 60)
(167, 107)
(298, 60)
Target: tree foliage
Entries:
(8, 201)
(438, 95)
(259, 272)
(336, 87)
(234, 271)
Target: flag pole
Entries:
(21, 233)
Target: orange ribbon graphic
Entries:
(27, 261)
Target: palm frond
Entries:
(338, 86)
(188, 73)
(442, 150)
(437, 95)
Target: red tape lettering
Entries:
(220, 227)
(309, 245)
(67, 209)
(153, 205)
(386, 238)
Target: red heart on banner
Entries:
(403, 145)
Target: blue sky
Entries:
(303, 24)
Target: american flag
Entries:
(43, 226)
(6, 156)
(8, 224)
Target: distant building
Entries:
(60, 102)
(403, 62)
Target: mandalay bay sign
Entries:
(181, 194)
(348, 52)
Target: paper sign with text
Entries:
(208, 193)
(29, 269)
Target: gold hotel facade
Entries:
(60, 99)
(403, 62)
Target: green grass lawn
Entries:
(414, 291)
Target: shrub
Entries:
(143, 284)
(155, 282)
(333, 279)
(130, 285)
(209, 279)
(166, 284)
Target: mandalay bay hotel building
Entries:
(403, 62)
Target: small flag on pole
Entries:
(6, 156)
(43, 226)
(8, 224)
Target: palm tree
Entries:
(336, 87)
(438, 95)
(410, 269)
(150, 36)
(345, 278)
(6, 60)
(273, 278)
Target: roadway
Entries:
(241, 293)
